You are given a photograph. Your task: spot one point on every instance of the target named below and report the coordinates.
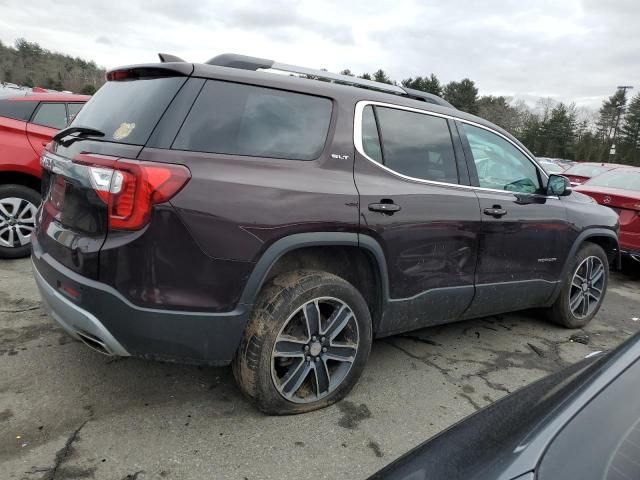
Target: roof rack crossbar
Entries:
(244, 62)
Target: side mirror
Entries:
(558, 185)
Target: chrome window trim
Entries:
(357, 141)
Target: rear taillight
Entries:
(131, 188)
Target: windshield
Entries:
(623, 179)
(585, 170)
(127, 111)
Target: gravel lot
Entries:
(67, 412)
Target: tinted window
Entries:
(262, 122)
(73, 109)
(370, 139)
(624, 179)
(500, 165)
(52, 115)
(18, 110)
(417, 145)
(127, 111)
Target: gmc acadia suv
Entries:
(213, 213)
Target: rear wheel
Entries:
(18, 206)
(306, 344)
(584, 288)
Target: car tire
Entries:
(18, 206)
(586, 279)
(321, 327)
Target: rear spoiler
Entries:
(150, 70)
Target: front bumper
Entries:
(105, 320)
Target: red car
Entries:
(619, 189)
(27, 124)
(581, 172)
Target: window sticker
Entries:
(123, 131)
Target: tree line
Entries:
(28, 64)
(549, 129)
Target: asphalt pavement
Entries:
(67, 412)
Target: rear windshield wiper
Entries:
(77, 129)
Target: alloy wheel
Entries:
(587, 287)
(17, 221)
(314, 350)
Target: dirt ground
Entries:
(67, 412)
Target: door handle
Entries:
(496, 211)
(388, 208)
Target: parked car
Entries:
(574, 424)
(212, 213)
(27, 123)
(619, 189)
(551, 166)
(581, 172)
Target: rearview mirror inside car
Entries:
(558, 185)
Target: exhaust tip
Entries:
(93, 342)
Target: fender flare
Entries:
(577, 243)
(313, 239)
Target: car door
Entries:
(410, 173)
(46, 121)
(524, 238)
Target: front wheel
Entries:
(306, 344)
(584, 288)
(18, 206)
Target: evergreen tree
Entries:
(610, 114)
(630, 133)
(429, 84)
(382, 77)
(463, 95)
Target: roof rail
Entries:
(244, 62)
(427, 97)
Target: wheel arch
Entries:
(603, 237)
(20, 178)
(326, 249)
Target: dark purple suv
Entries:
(215, 214)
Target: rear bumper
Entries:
(105, 320)
(632, 254)
(76, 321)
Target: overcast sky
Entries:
(572, 50)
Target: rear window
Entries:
(17, 109)
(586, 170)
(231, 118)
(127, 111)
(624, 179)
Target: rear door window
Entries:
(417, 145)
(53, 115)
(128, 110)
(370, 137)
(17, 109)
(231, 118)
